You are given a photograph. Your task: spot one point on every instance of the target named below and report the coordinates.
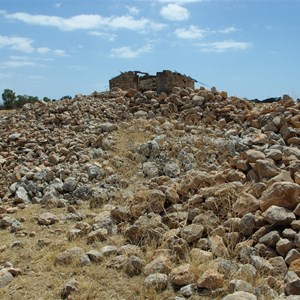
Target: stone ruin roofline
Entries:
(147, 74)
(161, 82)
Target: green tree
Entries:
(21, 100)
(9, 99)
(32, 99)
(46, 99)
(66, 97)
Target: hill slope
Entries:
(128, 195)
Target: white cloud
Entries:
(57, 5)
(16, 43)
(133, 10)
(129, 52)
(223, 46)
(43, 50)
(86, 22)
(16, 61)
(18, 64)
(24, 44)
(128, 22)
(107, 36)
(73, 23)
(174, 12)
(192, 32)
(18, 57)
(180, 1)
(228, 30)
(46, 50)
(60, 52)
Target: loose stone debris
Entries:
(195, 192)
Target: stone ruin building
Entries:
(161, 82)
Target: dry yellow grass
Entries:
(127, 138)
(42, 279)
(7, 111)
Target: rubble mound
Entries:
(138, 195)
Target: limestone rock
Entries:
(160, 264)
(265, 292)
(188, 290)
(278, 216)
(94, 171)
(282, 176)
(109, 250)
(172, 170)
(236, 285)
(97, 235)
(246, 203)
(292, 282)
(70, 184)
(133, 266)
(5, 278)
(117, 262)
(295, 266)
(283, 246)
(95, 256)
(295, 224)
(120, 213)
(217, 246)
(261, 264)
(265, 169)
(274, 154)
(156, 200)
(69, 255)
(246, 272)
(157, 281)
(292, 255)
(253, 156)
(270, 239)
(279, 266)
(21, 195)
(171, 195)
(211, 280)
(74, 234)
(147, 227)
(240, 296)
(192, 233)
(246, 225)
(150, 169)
(283, 194)
(70, 287)
(297, 240)
(129, 250)
(47, 219)
(297, 177)
(182, 275)
(200, 256)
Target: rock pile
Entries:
(209, 182)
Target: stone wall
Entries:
(125, 81)
(147, 83)
(166, 80)
(161, 82)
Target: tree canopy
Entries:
(11, 101)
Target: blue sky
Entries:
(250, 48)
